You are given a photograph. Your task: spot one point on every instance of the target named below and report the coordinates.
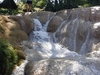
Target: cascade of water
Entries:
(50, 58)
(38, 25)
(55, 39)
(70, 28)
(75, 33)
(46, 25)
(83, 48)
(39, 33)
(41, 36)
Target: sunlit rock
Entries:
(25, 22)
(30, 69)
(17, 36)
(63, 14)
(54, 24)
(96, 33)
(80, 30)
(63, 66)
(42, 16)
(13, 25)
(29, 27)
(11, 30)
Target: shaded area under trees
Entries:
(9, 4)
(52, 5)
(69, 4)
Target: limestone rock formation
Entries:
(42, 16)
(75, 24)
(25, 23)
(11, 30)
(54, 23)
(77, 29)
(80, 31)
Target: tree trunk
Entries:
(10, 4)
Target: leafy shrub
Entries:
(8, 58)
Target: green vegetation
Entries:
(9, 56)
(47, 5)
(69, 4)
(20, 54)
(10, 11)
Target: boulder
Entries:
(42, 16)
(17, 36)
(25, 23)
(63, 14)
(54, 24)
(11, 30)
(96, 33)
(13, 25)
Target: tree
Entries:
(93, 2)
(10, 4)
(49, 6)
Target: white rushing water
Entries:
(51, 58)
(1, 1)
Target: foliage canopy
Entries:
(50, 5)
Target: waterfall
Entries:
(55, 39)
(61, 56)
(83, 48)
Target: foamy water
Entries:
(55, 59)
